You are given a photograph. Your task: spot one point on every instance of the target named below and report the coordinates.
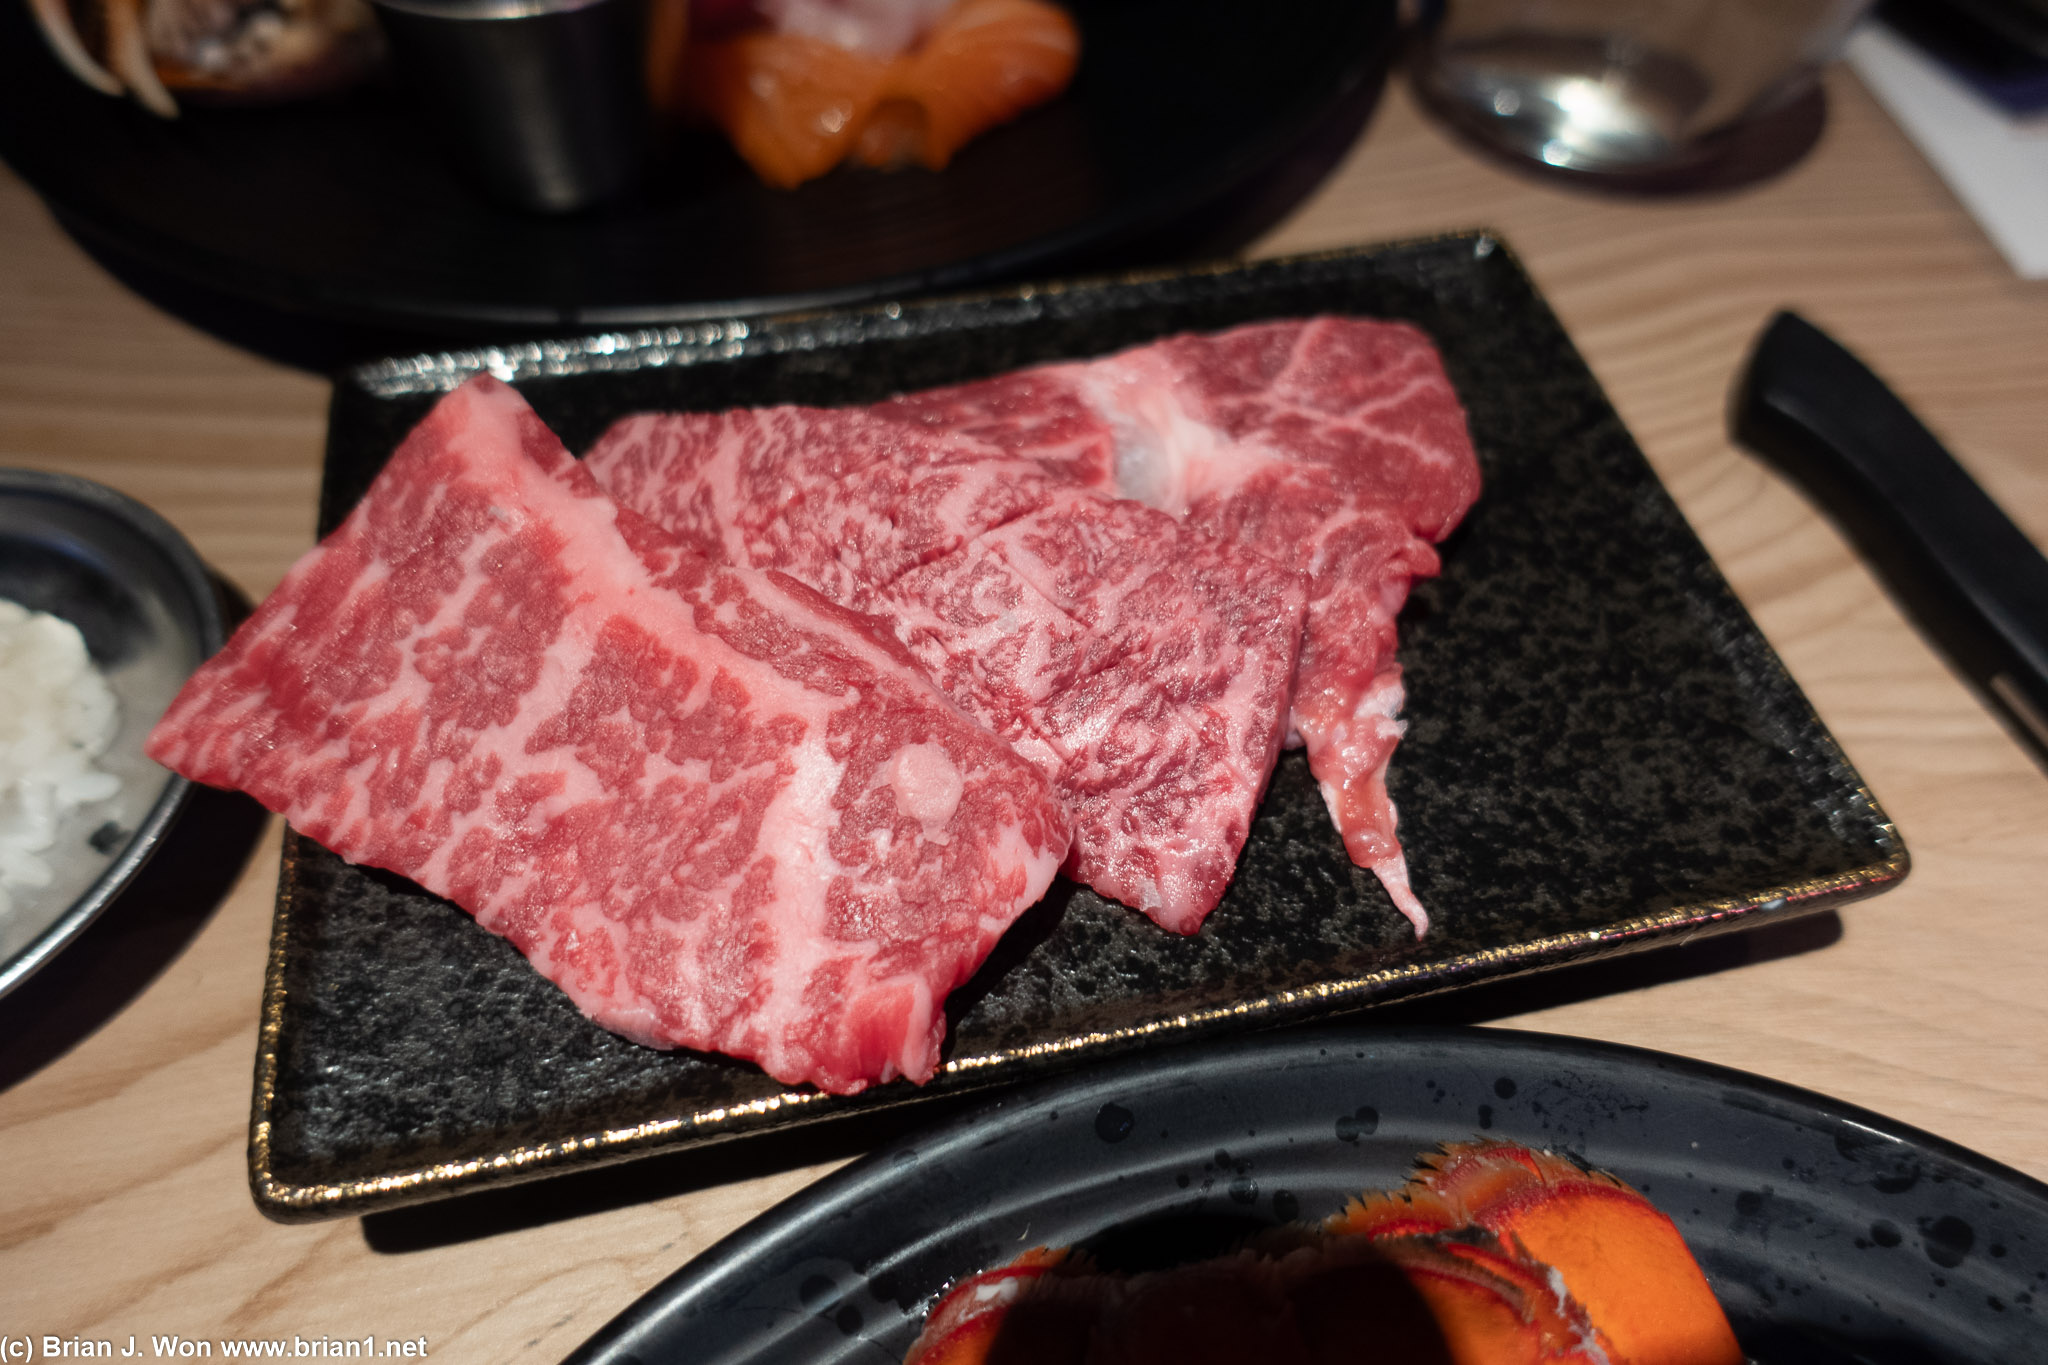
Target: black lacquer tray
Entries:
(1831, 1235)
(1603, 755)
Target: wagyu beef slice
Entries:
(1145, 668)
(1333, 445)
(716, 809)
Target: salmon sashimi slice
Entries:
(983, 63)
(795, 105)
(791, 104)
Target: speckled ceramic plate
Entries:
(1603, 754)
(139, 595)
(1831, 1234)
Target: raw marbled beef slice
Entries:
(716, 809)
(1334, 445)
(1145, 668)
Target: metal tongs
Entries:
(1975, 583)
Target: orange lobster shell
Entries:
(1493, 1254)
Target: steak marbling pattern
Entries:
(1145, 667)
(1333, 445)
(716, 809)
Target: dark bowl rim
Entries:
(844, 1193)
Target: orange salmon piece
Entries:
(983, 63)
(792, 105)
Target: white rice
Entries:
(56, 716)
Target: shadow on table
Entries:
(552, 1200)
(1495, 1000)
(575, 1195)
(148, 925)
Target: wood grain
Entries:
(124, 1206)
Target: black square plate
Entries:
(1603, 754)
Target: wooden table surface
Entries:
(124, 1205)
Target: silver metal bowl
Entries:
(150, 615)
(540, 103)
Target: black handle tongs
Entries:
(1974, 581)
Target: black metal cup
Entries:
(542, 103)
